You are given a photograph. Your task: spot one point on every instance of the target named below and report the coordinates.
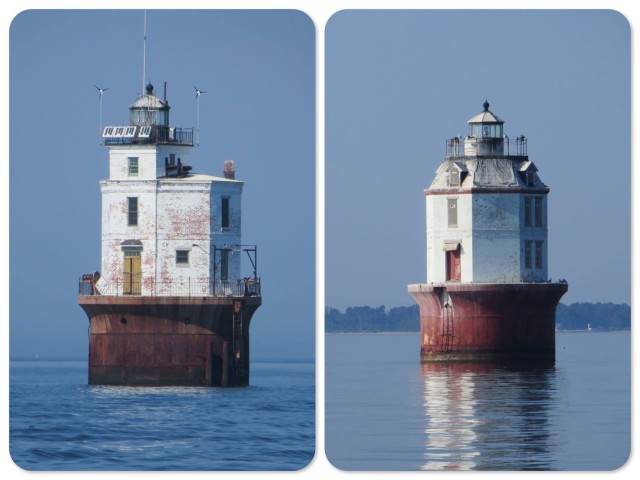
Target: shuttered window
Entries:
(454, 178)
(538, 211)
(527, 212)
(452, 212)
(539, 244)
(527, 253)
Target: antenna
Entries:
(100, 94)
(198, 93)
(144, 53)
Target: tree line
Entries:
(577, 316)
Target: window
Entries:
(538, 211)
(539, 253)
(225, 212)
(454, 178)
(132, 208)
(533, 212)
(527, 212)
(530, 177)
(527, 253)
(182, 257)
(452, 207)
(133, 166)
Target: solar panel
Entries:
(144, 132)
(116, 132)
(108, 132)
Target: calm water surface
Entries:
(385, 411)
(58, 422)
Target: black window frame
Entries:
(132, 211)
(225, 217)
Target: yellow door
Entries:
(132, 276)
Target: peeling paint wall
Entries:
(183, 220)
(173, 214)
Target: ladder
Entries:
(446, 345)
(238, 341)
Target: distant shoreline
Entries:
(577, 317)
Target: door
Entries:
(132, 275)
(453, 265)
(224, 266)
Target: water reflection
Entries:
(488, 416)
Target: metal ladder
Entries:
(447, 335)
(237, 342)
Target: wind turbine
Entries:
(198, 93)
(101, 93)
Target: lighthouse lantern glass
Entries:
(485, 130)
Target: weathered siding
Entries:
(496, 238)
(174, 213)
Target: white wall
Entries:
(492, 232)
(173, 214)
(151, 160)
(438, 231)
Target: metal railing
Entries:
(247, 287)
(472, 146)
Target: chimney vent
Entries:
(229, 169)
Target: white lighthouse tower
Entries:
(170, 304)
(163, 225)
(487, 293)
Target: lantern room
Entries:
(485, 134)
(148, 110)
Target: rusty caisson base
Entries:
(161, 341)
(487, 322)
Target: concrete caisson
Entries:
(488, 295)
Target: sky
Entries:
(258, 71)
(400, 83)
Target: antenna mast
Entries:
(198, 93)
(144, 54)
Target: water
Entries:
(58, 422)
(385, 411)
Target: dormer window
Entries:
(457, 173)
(454, 178)
(528, 174)
(530, 178)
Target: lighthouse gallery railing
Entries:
(247, 287)
(503, 146)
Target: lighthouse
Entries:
(170, 304)
(488, 295)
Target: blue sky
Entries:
(258, 69)
(399, 83)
